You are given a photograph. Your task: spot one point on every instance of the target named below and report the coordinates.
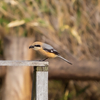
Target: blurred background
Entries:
(72, 27)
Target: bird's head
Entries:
(36, 46)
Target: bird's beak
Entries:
(31, 46)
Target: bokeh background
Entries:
(71, 26)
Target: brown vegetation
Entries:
(71, 26)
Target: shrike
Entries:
(47, 51)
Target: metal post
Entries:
(40, 83)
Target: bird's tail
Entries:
(64, 59)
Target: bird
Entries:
(46, 50)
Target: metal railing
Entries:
(40, 76)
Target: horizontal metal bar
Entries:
(22, 63)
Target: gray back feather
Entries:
(49, 48)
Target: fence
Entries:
(40, 77)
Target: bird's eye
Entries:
(37, 45)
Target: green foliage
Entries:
(3, 20)
(25, 33)
(78, 11)
(28, 19)
(82, 90)
(4, 7)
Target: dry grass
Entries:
(74, 25)
(76, 21)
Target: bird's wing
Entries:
(49, 48)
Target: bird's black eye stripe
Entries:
(37, 45)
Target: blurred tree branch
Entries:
(83, 70)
